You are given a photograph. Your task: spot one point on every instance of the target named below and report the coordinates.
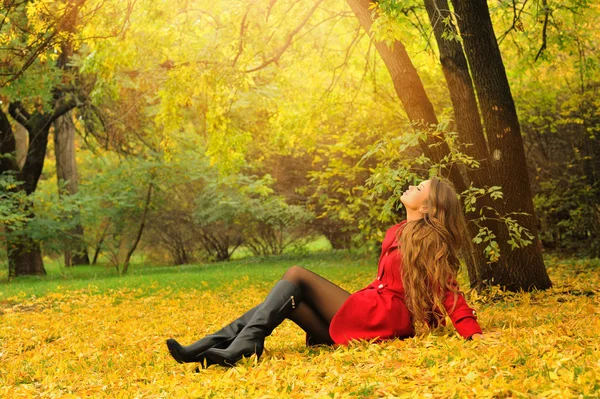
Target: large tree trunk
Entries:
(25, 256)
(66, 172)
(523, 268)
(467, 119)
(410, 90)
(25, 259)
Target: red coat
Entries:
(379, 310)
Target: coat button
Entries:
(380, 286)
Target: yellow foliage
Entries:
(111, 344)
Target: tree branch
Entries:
(544, 29)
(16, 110)
(516, 23)
(62, 109)
(287, 43)
(140, 229)
(242, 32)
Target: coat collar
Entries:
(390, 242)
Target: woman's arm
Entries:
(462, 315)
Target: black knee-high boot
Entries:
(280, 302)
(220, 339)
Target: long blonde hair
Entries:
(430, 253)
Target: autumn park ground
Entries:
(87, 332)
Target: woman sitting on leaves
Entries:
(416, 281)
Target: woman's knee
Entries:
(294, 274)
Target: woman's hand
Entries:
(487, 337)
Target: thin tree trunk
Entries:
(523, 268)
(410, 90)
(66, 173)
(98, 248)
(140, 230)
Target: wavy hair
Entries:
(430, 253)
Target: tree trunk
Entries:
(140, 230)
(66, 172)
(467, 120)
(8, 146)
(25, 256)
(410, 90)
(523, 268)
(20, 134)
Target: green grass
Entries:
(339, 266)
(315, 255)
(336, 265)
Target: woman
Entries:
(415, 284)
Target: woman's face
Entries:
(414, 198)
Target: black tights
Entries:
(321, 299)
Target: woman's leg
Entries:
(219, 339)
(317, 330)
(323, 296)
(298, 286)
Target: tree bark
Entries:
(467, 119)
(8, 146)
(22, 143)
(524, 268)
(25, 256)
(410, 90)
(66, 172)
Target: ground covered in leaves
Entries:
(92, 342)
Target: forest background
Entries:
(186, 132)
(159, 155)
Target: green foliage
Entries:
(54, 219)
(13, 204)
(273, 225)
(109, 205)
(218, 99)
(242, 211)
(29, 43)
(569, 215)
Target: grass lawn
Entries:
(87, 332)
